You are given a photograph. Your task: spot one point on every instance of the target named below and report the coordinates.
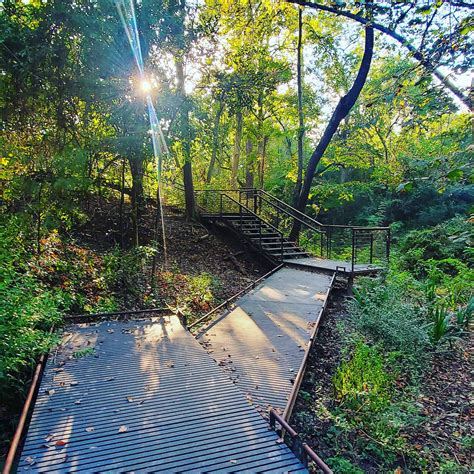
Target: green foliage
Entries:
(362, 382)
(440, 319)
(385, 314)
(343, 466)
(444, 241)
(28, 311)
(124, 274)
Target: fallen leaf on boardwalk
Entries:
(146, 388)
(233, 461)
(90, 429)
(48, 445)
(279, 335)
(49, 437)
(279, 441)
(77, 402)
(122, 429)
(130, 399)
(169, 364)
(110, 379)
(110, 331)
(50, 392)
(30, 460)
(73, 384)
(60, 442)
(63, 458)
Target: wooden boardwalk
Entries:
(261, 343)
(143, 396)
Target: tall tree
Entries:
(343, 107)
(299, 79)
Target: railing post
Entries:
(272, 419)
(260, 233)
(281, 244)
(387, 250)
(353, 247)
(255, 205)
(240, 214)
(371, 246)
(220, 209)
(328, 244)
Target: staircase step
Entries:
(288, 254)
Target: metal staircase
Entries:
(265, 222)
(264, 237)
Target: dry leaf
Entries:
(77, 402)
(129, 399)
(233, 461)
(60, 442)
(51, 392)
(90, 429)
(63, 458)
(73, 384)
(122, 429)
(30, 460)
(49, 437)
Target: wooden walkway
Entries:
(144, 397)
(261, 343)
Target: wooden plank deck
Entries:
(143, 396)
(261, 343)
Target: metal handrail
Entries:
(259, 220)
(314, 221)
(301, 449)
(228, 301)
(294, 217)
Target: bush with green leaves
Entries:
(384, 314)
(124, 272)
(449, 240)
(362, 382)
(28, 310)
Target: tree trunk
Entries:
(215, 141)
(186, 138)
(249, 178)
(262, 146)
(299, 177)
(237, 143)
(136, 169)
(342, 109)
(122, 200)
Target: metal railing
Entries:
(304, 453)
(241, 212)
(353, 244)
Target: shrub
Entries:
(383, 314)
(447, 240)
(440, 318)
(362, 381)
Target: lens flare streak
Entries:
(126, 11)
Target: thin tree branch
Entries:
(403, 41)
